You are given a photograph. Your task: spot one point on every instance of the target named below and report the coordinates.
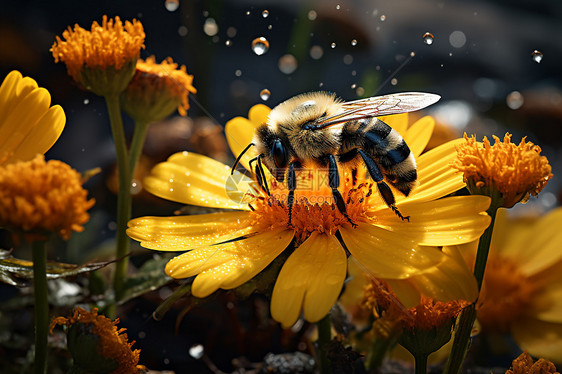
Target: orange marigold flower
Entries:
(89, 331)
(524, 365)
(103, 59)
(156, 90)
(39, 197)
(515, 171)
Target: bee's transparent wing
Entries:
(381, 106)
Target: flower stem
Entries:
(421, 363)
(41, 305)
(123, 198)
(137, 144)
(468, 315)
(377, 353)
(324, 337)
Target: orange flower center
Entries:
(506, 294)
(314, 207)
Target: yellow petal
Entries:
(546, 304)
(386, 254)
(42, 137)
(8, 94)
(239, 134)
(435, 175)
(311, 278)
(231, 264)
(449, 280)
(398, 122)
(180, 233)
(406, 292)
(191, 178)
(540, 339)
(356, 282)
(448, 221)
(258, 114)
(417, 136)
(22, 117)
(537, 246)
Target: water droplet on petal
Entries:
(537, 56)
(265, 13)
(428, 38)
(383, 18)
(354, 42)
(260, 45)
(514, 100)
(264, 94)
(172, 5)
(288, 64)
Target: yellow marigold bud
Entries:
(513, 171)
(38, 197)
(524, 365)
(97, 345)
(156, 90)
(103, 59)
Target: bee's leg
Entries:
(334, 182)
(292, 185)
(264, 179)
(237, 161)
(260, 176)
(384, 190)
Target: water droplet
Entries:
(210, 27)
(312, 15)
(428, 38)
(238, 72)
(265, 13)
(354, 72)
(172, 5)
(316, 52)
(360, 91)
(86, 101)
(537, 56)
(288, 64)
(383, 18)
(394, 81)
(412, 54)
(338, 7)
(247, 12)
(228, 43)
(182, 31)
(514, 100)
(136, 187)
(269, 27)
(354, 86)
(354, 42)
(264, 94)
(333, 45)
(348, 59)
(260, 45)
(231, 32)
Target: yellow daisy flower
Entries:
(156, 90)
(312, 276)
(522, 287)
(29, 125)
(101, 59)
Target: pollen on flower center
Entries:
(314, 207)
(506, 294)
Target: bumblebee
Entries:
(318, 128)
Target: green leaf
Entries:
(149, 277)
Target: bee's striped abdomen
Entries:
(392, 154)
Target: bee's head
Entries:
(275, 149)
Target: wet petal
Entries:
(448, 221)
(418, 135)
(540, 339)
(386, 254)
(191, 178)
(180, 233)
(435, 175)
(405, 291)
(231, 264)
(311, 279)
(449, 280)
(41, 137)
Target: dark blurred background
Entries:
(479, 57)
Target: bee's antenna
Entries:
(240, 157)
